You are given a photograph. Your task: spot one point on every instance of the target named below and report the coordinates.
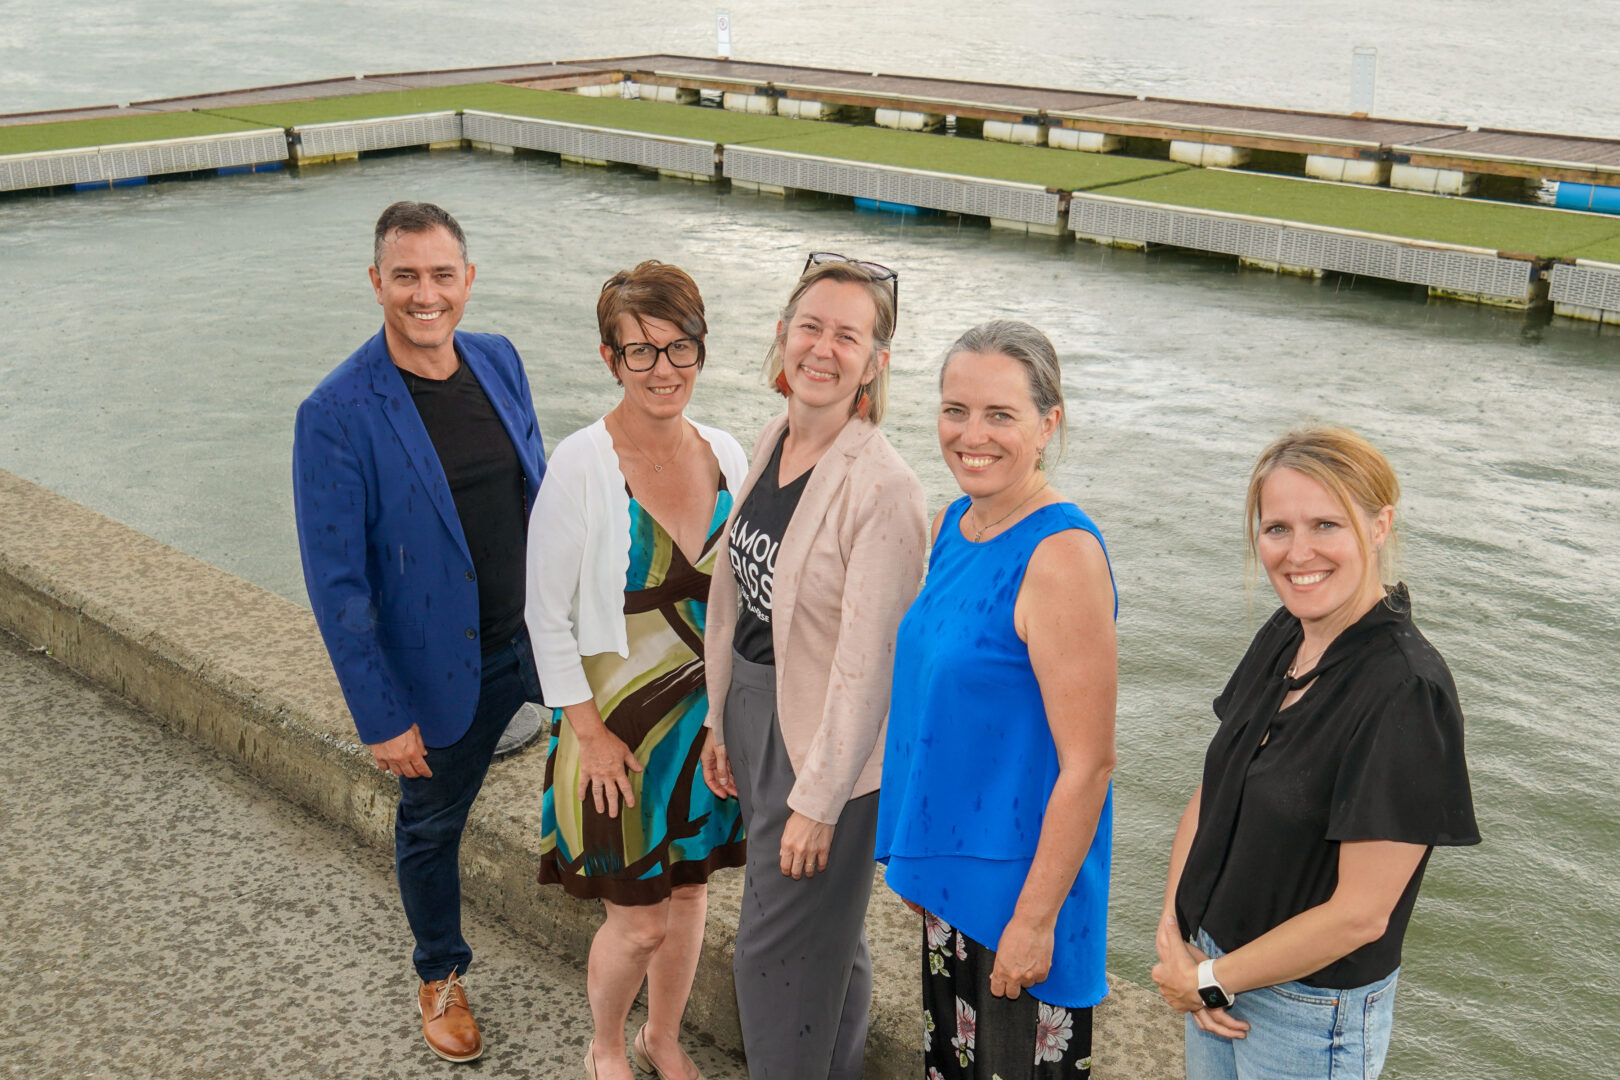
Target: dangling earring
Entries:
(781, 384)
(1040, 459)
(863, 401)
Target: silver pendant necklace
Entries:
(981, 530)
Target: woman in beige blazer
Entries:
(826, 543)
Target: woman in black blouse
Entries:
(1336, 769)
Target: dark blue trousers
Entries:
(433, 811)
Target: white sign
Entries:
(1363, 78)
(722, 34)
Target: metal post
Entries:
(1363, 79)
(722, 34)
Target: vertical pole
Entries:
(1363, 79)
(722, 34)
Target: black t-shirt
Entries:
(755, 537)
(486, 482)
(1373, 750)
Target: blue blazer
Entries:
(385, 561)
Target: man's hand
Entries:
(403, 755)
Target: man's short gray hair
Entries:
(414, 217)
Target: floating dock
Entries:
(1288, 191)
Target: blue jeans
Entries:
(433, 811)
(1297, 1032)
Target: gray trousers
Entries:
(804, 976)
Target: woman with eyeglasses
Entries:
(997, 815)
(826, 547)
(624, 538)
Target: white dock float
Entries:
(1090, 142)
(130, 161)
(1004, 200)
(1586, 290)
(1476, 273)
(759, 104)
(1347, 170)
(346, 138)
(1432, 181)
(909, 119)
(1208, 155)
(1006, 131)
(666, 153)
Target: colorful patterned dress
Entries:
(678, 833)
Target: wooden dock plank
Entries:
(895, 90)
(1528, 145)
(1529, 154)
(1195, 115)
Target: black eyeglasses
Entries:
(878, 271)
(643, 356)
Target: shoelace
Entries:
(451, 985)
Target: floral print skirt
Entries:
(970, 1034)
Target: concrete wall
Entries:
(245, 672)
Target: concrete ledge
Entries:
(245, 672)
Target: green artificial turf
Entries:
(1498, 226)
(1605, 250)
(104, 131)
(354, 106)
(683, 121)
(651, 117)
(1067, 170)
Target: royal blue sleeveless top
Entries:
(969, 761)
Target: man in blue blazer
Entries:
(415, 464)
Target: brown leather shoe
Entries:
(447, 1019)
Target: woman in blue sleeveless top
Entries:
(996, 814)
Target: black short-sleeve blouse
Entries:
(1373, 750)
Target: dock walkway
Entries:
(174, 918)
(1161, 172)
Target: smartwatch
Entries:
(1214, 995)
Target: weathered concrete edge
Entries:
(57, 564)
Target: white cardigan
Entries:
(579, 555)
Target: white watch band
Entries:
(1206, 977)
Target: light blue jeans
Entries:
(1297, 1032)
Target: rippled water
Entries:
(1546, 66)
(161, 338)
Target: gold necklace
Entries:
(657, 468)
(986, 528)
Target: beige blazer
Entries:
(849, 565)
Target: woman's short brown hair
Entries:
(652, 290)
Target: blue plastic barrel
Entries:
(1596, 197)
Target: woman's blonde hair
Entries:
(1350, 468)
(871, 401)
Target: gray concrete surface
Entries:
(243, 671)
(168, 916)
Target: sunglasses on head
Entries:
(878, 271)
